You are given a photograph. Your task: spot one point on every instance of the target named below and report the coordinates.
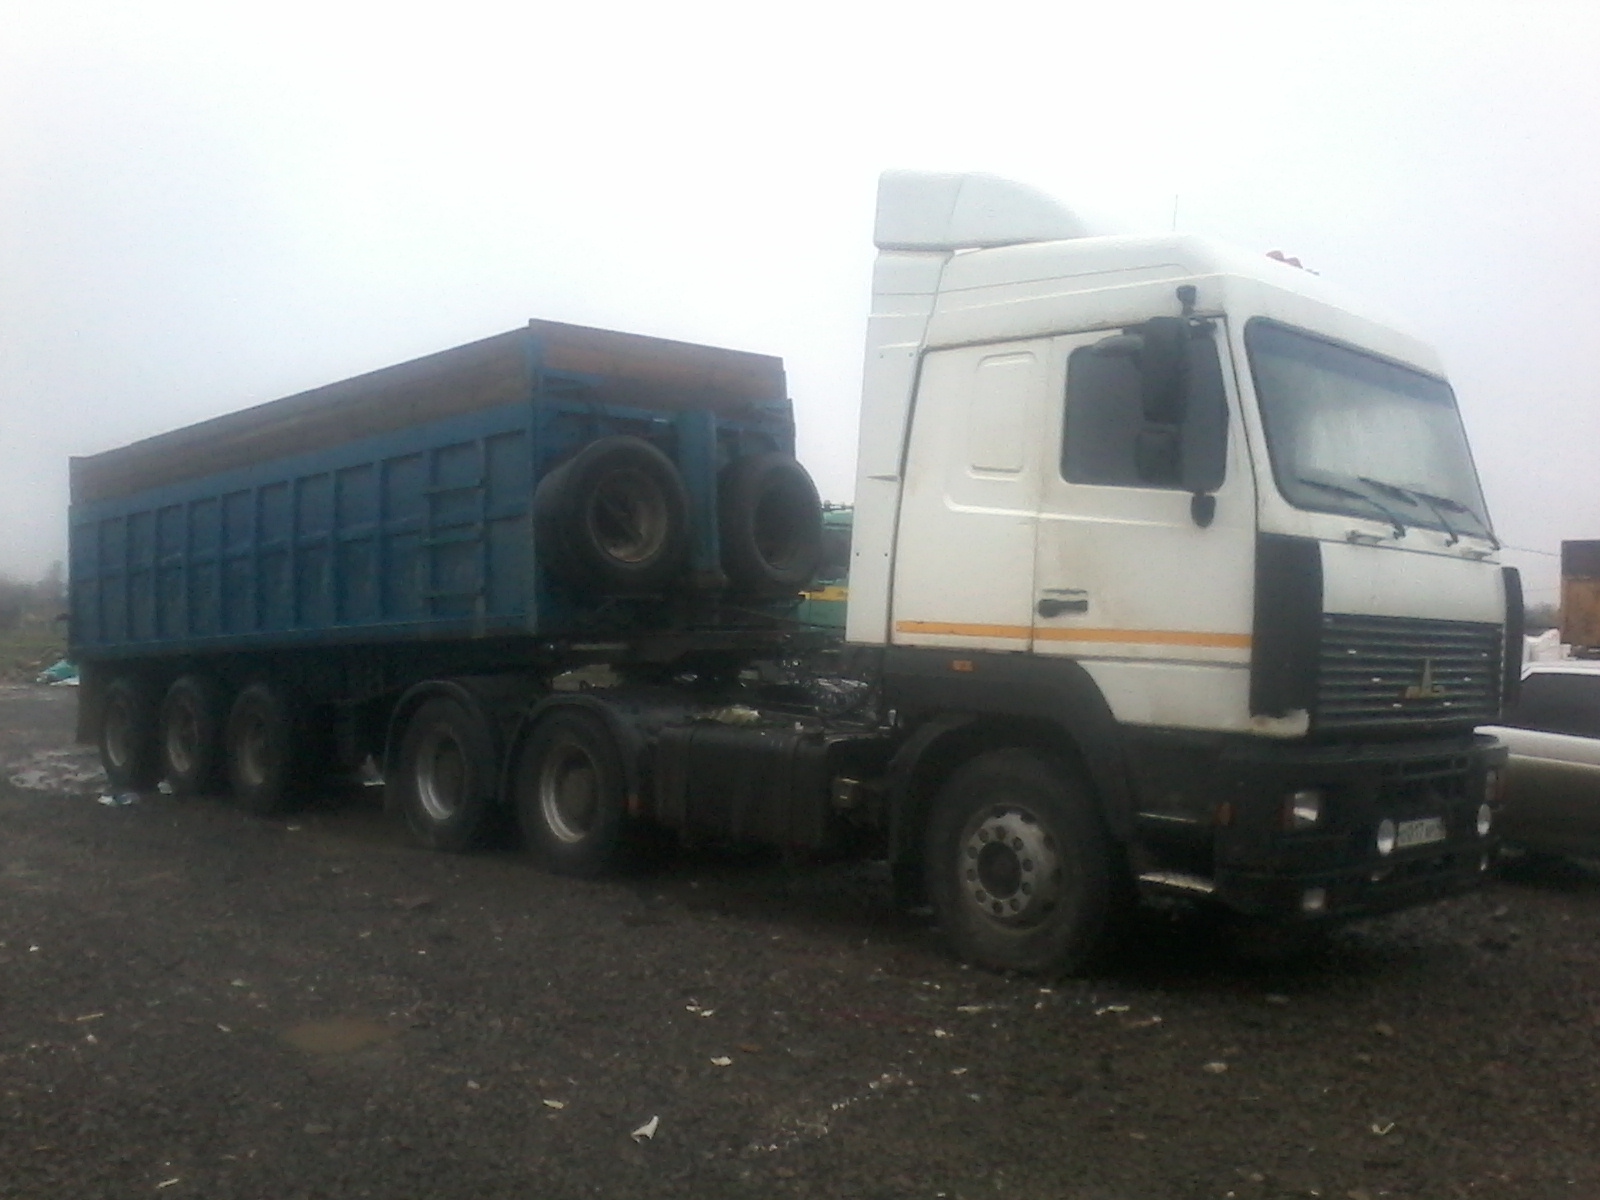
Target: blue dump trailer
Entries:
(400, 505)
(266, 598)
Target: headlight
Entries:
(1302, 809)
(1485, 820)
(1493, 784)
(1386, 837)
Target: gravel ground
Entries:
(197, 1003)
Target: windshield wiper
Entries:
(1411, 496)
(1439, 505)
(1338, 489)
(1456, 506)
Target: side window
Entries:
(1103, 419)
(1559, 703)
(1105, 422)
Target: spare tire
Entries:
(614, 518)
(770, 521)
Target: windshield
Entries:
(1351, 433)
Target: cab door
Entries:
(966, 540)
(1145, 538)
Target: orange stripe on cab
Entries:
(1123, 637)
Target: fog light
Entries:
(1483, 863)
(1386, 837)
(1485, 820)
(1302, 809)
(1314, 900)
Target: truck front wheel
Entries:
(446, 776)
(1019, 866)
(572, 794)
(128, 749)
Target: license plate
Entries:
(1419, 832)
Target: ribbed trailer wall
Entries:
(397, 504)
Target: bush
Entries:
(40, 599)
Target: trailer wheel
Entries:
(770, 523)
(446, 776)
(614, 518)
(1019, 865)
(571, 794)
(268, 749)
(191, 737)
(128, 749)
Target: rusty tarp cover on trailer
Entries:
(630, 369)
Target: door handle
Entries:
(1052, 607)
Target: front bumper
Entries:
(1232, 848)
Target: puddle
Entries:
(338, 1036)
(73, 771)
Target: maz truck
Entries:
(1170, 577)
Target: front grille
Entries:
(1423, 787)
(1402, 671)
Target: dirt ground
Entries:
(197, 1003)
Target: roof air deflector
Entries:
(924, 210)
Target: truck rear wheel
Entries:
(1019, 866)
(446, 776)
(191, 738)
(571, 794)
(268, 750)
(128, 749)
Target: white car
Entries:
(1552, 797)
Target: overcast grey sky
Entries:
(208, 205)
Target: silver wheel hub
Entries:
(1010, 866)
(627, 516)
(441, 775)
(118, 741)
(569, 792)
(183, 740)
(252, 755)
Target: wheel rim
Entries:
(627, 516)
(569, 792)
(441, 775)
(1010, 866)
(251, 758)
(118, 736)
(183, 739)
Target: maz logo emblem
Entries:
(1425, 690)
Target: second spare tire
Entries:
(614, 518)
(770, 522)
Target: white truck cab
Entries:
(1203, 508)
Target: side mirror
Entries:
(1158, 453)
(1182, 433)
(1164, 369)
(1160, 349)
